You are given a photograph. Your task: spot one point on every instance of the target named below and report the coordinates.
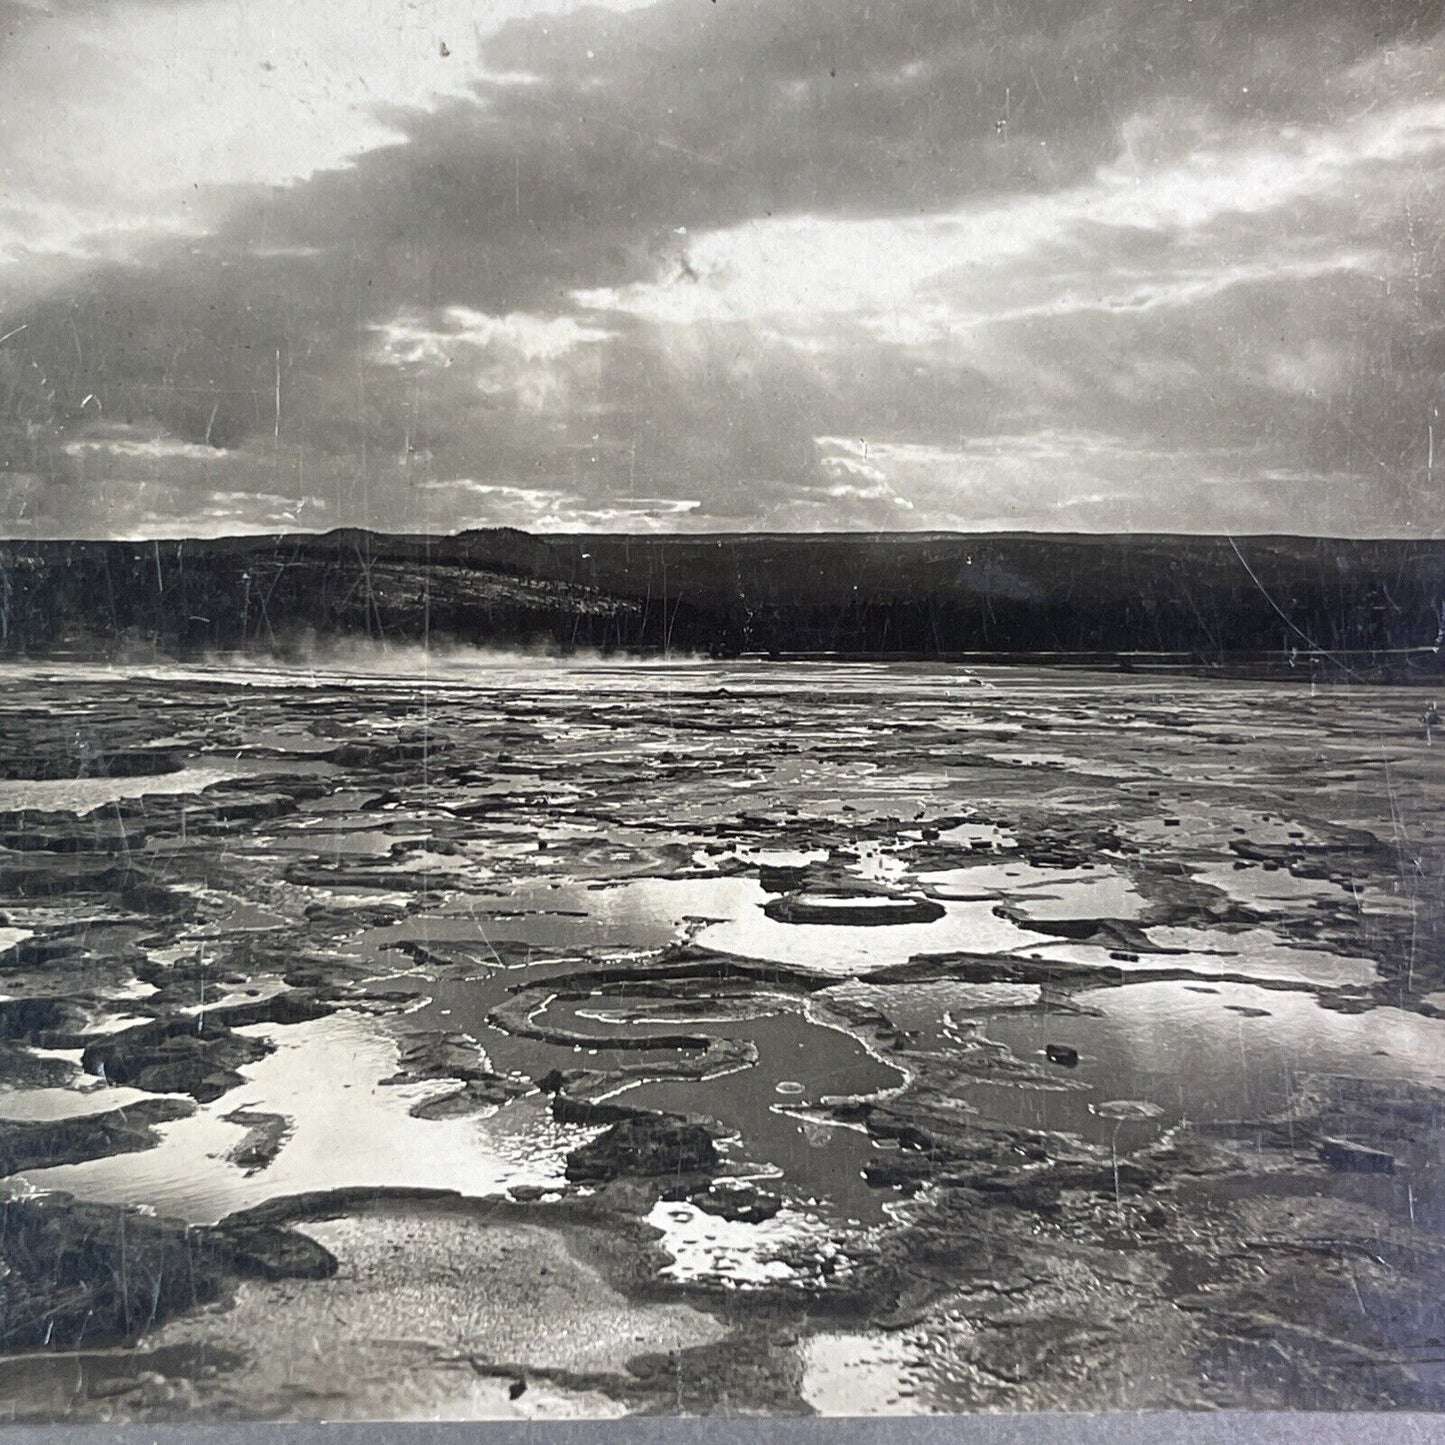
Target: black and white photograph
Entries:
(721, 708)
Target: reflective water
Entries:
(523, 831)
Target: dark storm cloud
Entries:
(1063, 264)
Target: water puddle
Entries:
(1097, 895)
(1005, 880)
(336, 845)
(1259, 953)
(866, 1375)
(638, 914)
(979, 836)
(704, 1247)
(13, 937)
(346, 1129)
(1270, 962)
(84, 796)
(51, 1105)
(788, 1061)
(1259, 884)
(840, 951)
(1233, 1051)
(1061, 763)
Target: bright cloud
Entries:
(529, 359)
(121, 118)
(156, 449)
(913, 278)
(551, 509)
(409, 341)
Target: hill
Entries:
(914, 594)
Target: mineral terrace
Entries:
(559, 1039)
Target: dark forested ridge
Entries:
(1209, 598)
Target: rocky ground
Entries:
(551, 1040)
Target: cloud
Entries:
(1084, 264)
(529, 338)
(912, 278)
(530, 360)
(123, 116)
(112, 449)
(545, 509)
(1085, 480)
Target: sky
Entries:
(722, 265)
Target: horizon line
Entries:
(727, 536)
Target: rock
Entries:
(441, 1055)
(317, 976)
(1128, 1109)
(857, 910)
(98, 1274)
(195, 1077)
(1061, 1054)
(195, 1054)
(349, 877)
(34, 952)
(58, 875)
(568, 1109)
(265, 1134)
(24, 1018)
(376, 753)
(1351, 1158)
(21, 1069)
(775, 878)
(742, 1203)
(1127, 939)
(486, 1093)
(555, 1080)
(42, 1144)
(263, 1251)
(119, 763)
(294, 1006)
(230, 807)
(902, 1169)
(176, 1056)
(156, 900)
(645, 1144)
(69, 834)
(517, 1016)
(993, 968)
